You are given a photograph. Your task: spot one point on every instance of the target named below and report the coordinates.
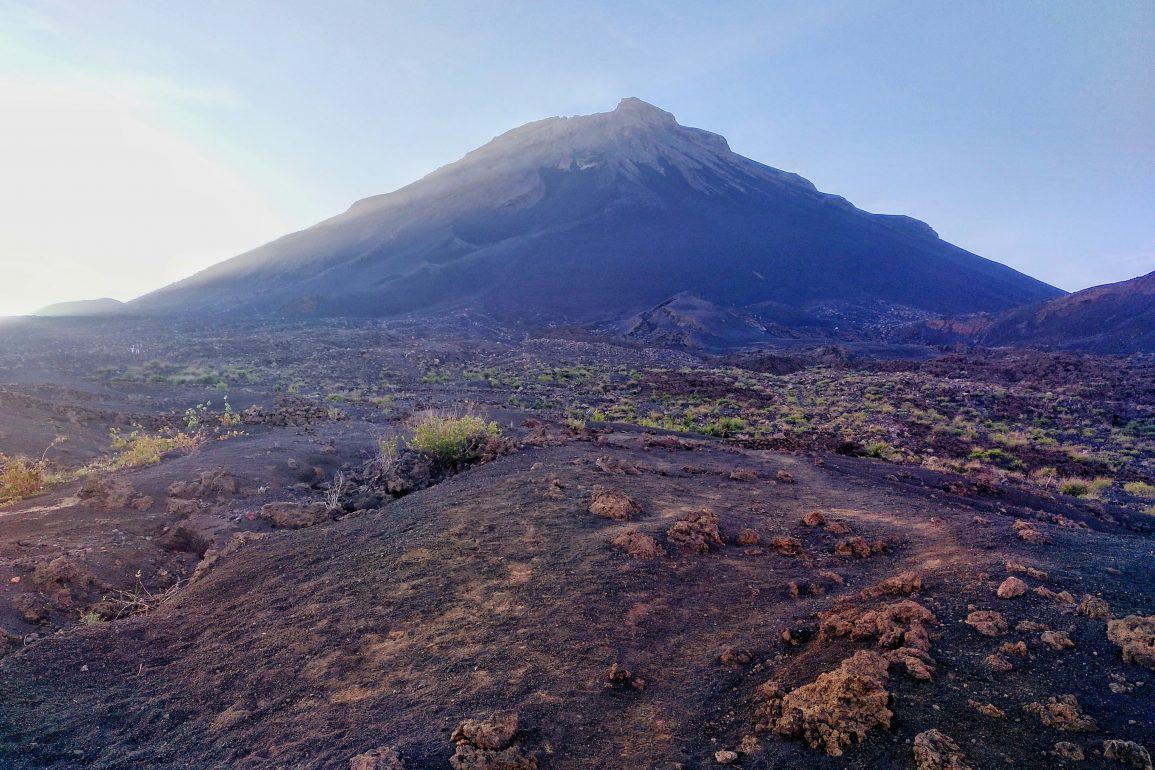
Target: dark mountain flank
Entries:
(597, 218)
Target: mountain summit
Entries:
(596, 218)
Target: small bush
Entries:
(449, 439)
(1075, 487)
(19, 478)
(1099, 483)
(997, 457)
(138, 449)
(1139, 489)
(725, 426)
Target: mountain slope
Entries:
(596, 218)
(1113, 318)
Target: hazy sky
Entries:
(142, 140)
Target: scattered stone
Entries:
(988, 622)
(791, 546)
(831, 576)
(1029, 627)
(383, 758)
(295, 515)
(997, 663)
(112, 494)
(1011, 588)
(837, 528)
(215, 554)
(695, 531)
(1120, 684)
(902, 584)
(1013, 648)
(743, 474)
(835, 709)
(612, 504)
(488, 745)
(1095, 608)
(725, 756)
(611, 464)
(1065, 597)
(639, 546)
(859, 547)
(1063, 713)
(1057, 640)
(749, 537)
(935, 751)
(621, 677)
(733, 656)
(987, 709)
(1135, 635)
(1069, 751)
(1037, 574)
(783, 477)
(493, 733)
(555, 490)
(1127, 752)
(895, 625)
(918, 664)
(1029, 534)
(814, 519)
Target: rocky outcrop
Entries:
(1063, 713)
(488, 744)
(933, 750)
(695, 532)
(383, 758)
(612, 504)
(1135, 635)
(638, 545)
(833, 711)
(988, 622)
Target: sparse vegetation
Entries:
(140, 599)
(19, 478)
(449, 438)
(1139, 489)
(137, 449)
(1075, 487)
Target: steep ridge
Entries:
(599, 217)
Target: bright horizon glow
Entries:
(97, 201)
(141, 142)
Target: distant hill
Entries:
(597, 218)
(1113, 318)
(83, 307)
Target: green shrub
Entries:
(1139, 489)
(1075, 487)
(997, 457)
(450, 438)
(138, 449)
(725, 426)
(19, 478)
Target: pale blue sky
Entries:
(143, 140)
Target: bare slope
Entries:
(501, 589)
